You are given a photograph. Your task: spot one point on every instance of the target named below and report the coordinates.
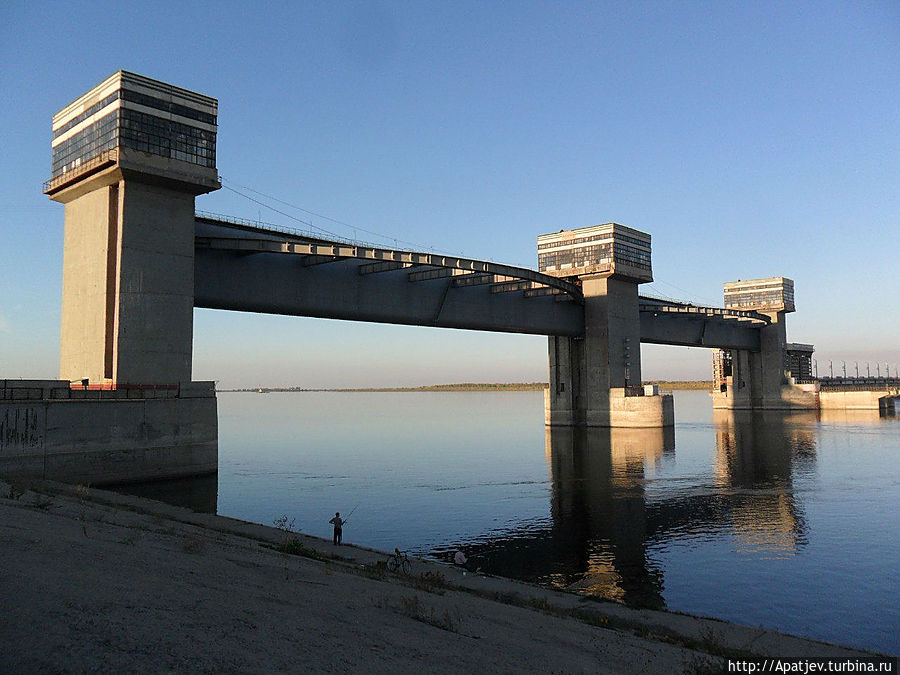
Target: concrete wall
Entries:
(858, 400)
(48, 431)
(809, 397)
(790, 397)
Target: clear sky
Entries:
(750, 139)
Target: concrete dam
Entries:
(128, 159)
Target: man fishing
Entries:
(338, 527)
(339, 523)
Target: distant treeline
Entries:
(475, 386)
(682, 384)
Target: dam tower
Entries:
(764, 379)
(595, 379)
(128, 159)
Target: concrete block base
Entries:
(884, 401)
(626, 412)
(790, 397)
(639, 412)
(100, 437)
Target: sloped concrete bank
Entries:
(97, 581)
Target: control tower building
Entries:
(763, 380)
(129, 156)
(595, 380)
(128, 159)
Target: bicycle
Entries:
(398, 562)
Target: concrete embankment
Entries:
(96, 581)
(50, 431)
(884, 400)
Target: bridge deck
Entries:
(244, 267)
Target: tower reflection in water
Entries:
(760, 456)
(617, 495)
(598, 498)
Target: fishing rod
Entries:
(351, 513)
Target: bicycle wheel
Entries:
(393, 564)
(404, 565)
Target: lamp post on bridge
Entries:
(856, 363)
(868, 372)
(831, 370)
(844, 368)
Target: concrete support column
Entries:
(612, 344)
(128, 284)
(90, 261)
(591, 377)
(740, 382)
(564, 399)
(760, 378)
(767, 367)
(128, 174)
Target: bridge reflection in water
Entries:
(618, 500)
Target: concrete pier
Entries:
(760, 380)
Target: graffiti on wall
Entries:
(21, 428)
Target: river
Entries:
(789, 522)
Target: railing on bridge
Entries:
(477, 272)
(854, 383)
(273, 227)
(648, 304)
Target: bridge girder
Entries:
(280, 284)
(300, 276)
(698, 330)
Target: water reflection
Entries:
(746, 520)
(597, 540)
(199, 493)
(598, 495)
(868, 418)
(609, 512)
(758, 457)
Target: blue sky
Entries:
(750, 139)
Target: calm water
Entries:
(784, 521)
